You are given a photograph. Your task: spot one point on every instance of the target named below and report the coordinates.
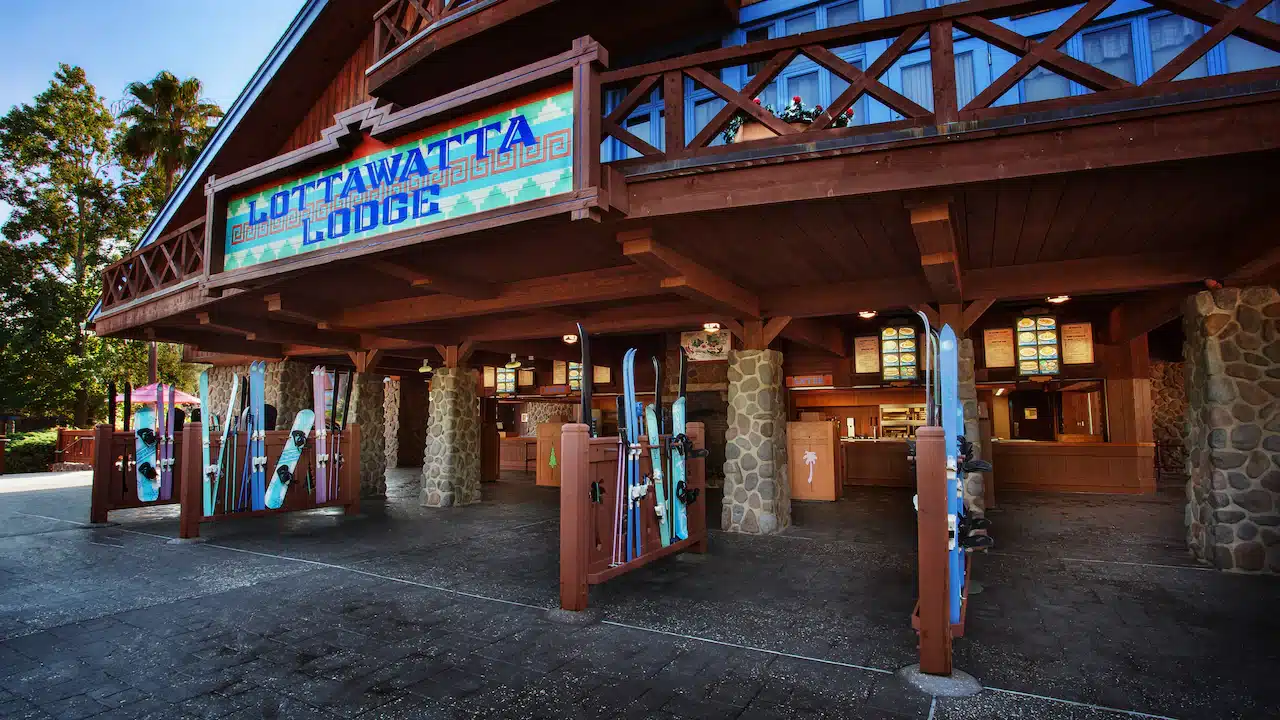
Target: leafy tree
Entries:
(166, 125)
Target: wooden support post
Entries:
(696, 477)
(931, 525)
(575, 514)
(189, 473)
(943, 66)
(103, 471)
(351, 466)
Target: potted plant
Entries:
(743, 128)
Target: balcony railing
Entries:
(166, 262)
(939, 27)
(399, 21)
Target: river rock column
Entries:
(367, 409)
(1233, 428)
(391, 421)
(757, 492)
(451, 459)
(974, 486)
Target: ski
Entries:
(257, 392)
(170, 419)
(162, 446)
(209, 470)
(619, 502)
(679, 493)
(319, 380)
(218, 472)
(652, 415)
(636, 489)
(952, 424)
(146, 438)
(585, 381)
(283, 475)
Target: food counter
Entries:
(881, 462)
(1074, 466)
(518, 453)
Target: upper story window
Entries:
(1111, 50)
(1170, 35)
(1243, 55)
(843, 14)
(802, 24)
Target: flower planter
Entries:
(755, 130)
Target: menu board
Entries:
(601, 375)
(559, 372)
(898, 352)
(575, 376)
(490, 378)
(997, 345)
(1037, 338)
(1077, 344)
(866, 355)
(506, 378)
(525, 378)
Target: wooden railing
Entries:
(165, 262)
(74, 446)
(938, 27)
(397, 22)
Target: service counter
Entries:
(1074, 467)
(881, 462)
(518, 453)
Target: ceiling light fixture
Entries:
(426, 367)
(867, 314)
(711, 328)
(514, 364)
(1057, 299)
(570, 339)
(999, 392)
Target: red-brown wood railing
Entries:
(938, 25)
(168, 261)
(397, 22)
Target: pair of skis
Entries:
(153, 440)
(328, 457)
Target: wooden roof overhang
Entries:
(1120, 191)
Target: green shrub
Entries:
(30, 452)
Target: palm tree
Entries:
(167, 124)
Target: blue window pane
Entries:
(1111, 51)
(802, 24)
(917, 84)
(1243, 55)
(897, 7)
(843, 14)
(964, 79)
(1170, 35)
(756, 35)
(806, 86)
(837, 85)
(1043, 84)
(642, 128)
(703, 111)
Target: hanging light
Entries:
(1057, 299)
(867, 314)
(711, 328)
(570, 339)
(514, 364)
(426, 366)
(999, 392)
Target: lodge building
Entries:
(1080, 191)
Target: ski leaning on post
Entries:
(681, 452)
(283, 475)
(620, 492)
(162, 451)
(637, 488)
(653, 422)
(145, 440)
(952, 423)
(219, 471)
(319, 379)
(257, 392)
(210, 471)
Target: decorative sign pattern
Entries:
(997, 344)
(1038, 345)
(898, 352)
(866, 355)
(1077, 344)
(516, 154)
(704, 346)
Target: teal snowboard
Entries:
(146, 437)
(659, 481)
(206, 420)
(293, 447)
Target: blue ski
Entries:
(257, 394)
(952, 425)
(205, 422)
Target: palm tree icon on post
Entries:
(810, 458)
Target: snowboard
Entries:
(320, 378)
(293, 448)
(679, 494)
(257, 398)
(952, 425)
(145, 440)
(659, 494)
(209, 470)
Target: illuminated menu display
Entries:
(506, 381)
(1037, 338)
(575, 376)
(898, 354)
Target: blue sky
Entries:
(120, 41)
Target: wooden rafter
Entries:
(816, 334)
(1145, 312)
(687, 278)
(436, 282)
(935, 230)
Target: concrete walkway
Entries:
(1091, 610)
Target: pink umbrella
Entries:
(146, 395)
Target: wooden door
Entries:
(1032, 416)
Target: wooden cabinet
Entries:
(547, 471)
(813, 460)
(518, 453)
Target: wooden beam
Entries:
(616, 283)
(688, 278)
(1141, 314)
(435, 282)
(1261, 267)
(775, 326)
(930, 314)
(217, 343)
(818, 335)
(846, 298)
(277, 304)
(1116, 273)
(935, 229)
(364, 360)
(276, 331)
(973, 311)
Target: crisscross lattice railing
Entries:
(165, 262)
(400, 20)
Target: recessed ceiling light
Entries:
(867, 314)
(570, 339)
(1057, 299)
(711, 327)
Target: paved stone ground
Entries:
(1090, 604)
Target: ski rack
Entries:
(114, 491)
(115, 484)
(586, 527)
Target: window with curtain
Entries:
(641, 127)
(897, 7)
(1243, 55)
(703, 111)
(917, 84)
(843, 14)
(806, 86)
(802, 24)
(1111, 50)
(964, 79)
(1044, 84)
(756, 35)
(837, 85)
(1170, 35)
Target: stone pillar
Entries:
(543, 412)
(367, 409)
(286, 386)
(391, 421)
(1232, 373)
(757, 491)
(451, 460)
(974, 483)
